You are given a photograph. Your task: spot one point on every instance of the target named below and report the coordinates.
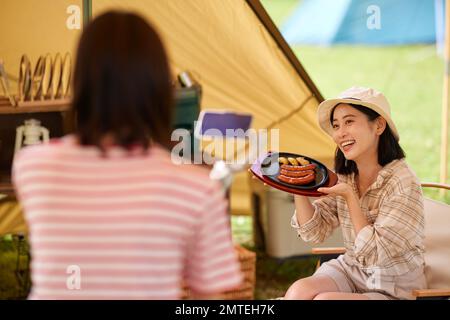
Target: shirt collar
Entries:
(384, 173)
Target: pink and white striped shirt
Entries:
(125, 226)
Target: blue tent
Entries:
(370, 22)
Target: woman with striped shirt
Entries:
(110, 216)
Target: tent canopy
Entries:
(373, 22)
(230, 46)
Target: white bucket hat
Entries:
(366, 97)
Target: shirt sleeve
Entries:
(323, 222)
(399, 228)
(212, 262)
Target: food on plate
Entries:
(311, 166)
(283, 160)
(293, 161)
(298, 181)
(302, 161)
(296, 171)
(296, 174)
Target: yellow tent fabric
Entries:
(36, 28)
(225, 45)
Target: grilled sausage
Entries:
(296, 174)
(311, 166)
(297, 181)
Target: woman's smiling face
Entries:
(354, 134)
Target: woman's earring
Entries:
(346, 162)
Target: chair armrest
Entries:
(325, 251)
(429, 293)
(435, 185)
(327, 254)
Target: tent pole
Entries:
(270, 26)
(87, 11)
(445, 100)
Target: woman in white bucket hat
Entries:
(378, 203)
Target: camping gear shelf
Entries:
(37, 107)
(56, 115)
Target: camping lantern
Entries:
(30, 134)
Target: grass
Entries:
(279, 10)
(11, 286)
(273, 276)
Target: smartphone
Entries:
(215, 123)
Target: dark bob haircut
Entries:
(388, 147)
(122, 83)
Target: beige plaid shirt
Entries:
(392, 243)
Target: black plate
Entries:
(271, 168)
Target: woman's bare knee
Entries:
(325, 296)
(340, 296)
(302, 289)
(309, 288)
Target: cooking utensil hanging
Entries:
(46, 77)
(66, 75)
(38, 75)
(49, 80)
(24, 78)
(5, 84)
(56, 76)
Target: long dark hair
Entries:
(388, 147)
(122, 83)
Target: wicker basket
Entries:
(247, 260)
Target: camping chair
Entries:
(437, 248)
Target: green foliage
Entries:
(10, 287)
(279, 10)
